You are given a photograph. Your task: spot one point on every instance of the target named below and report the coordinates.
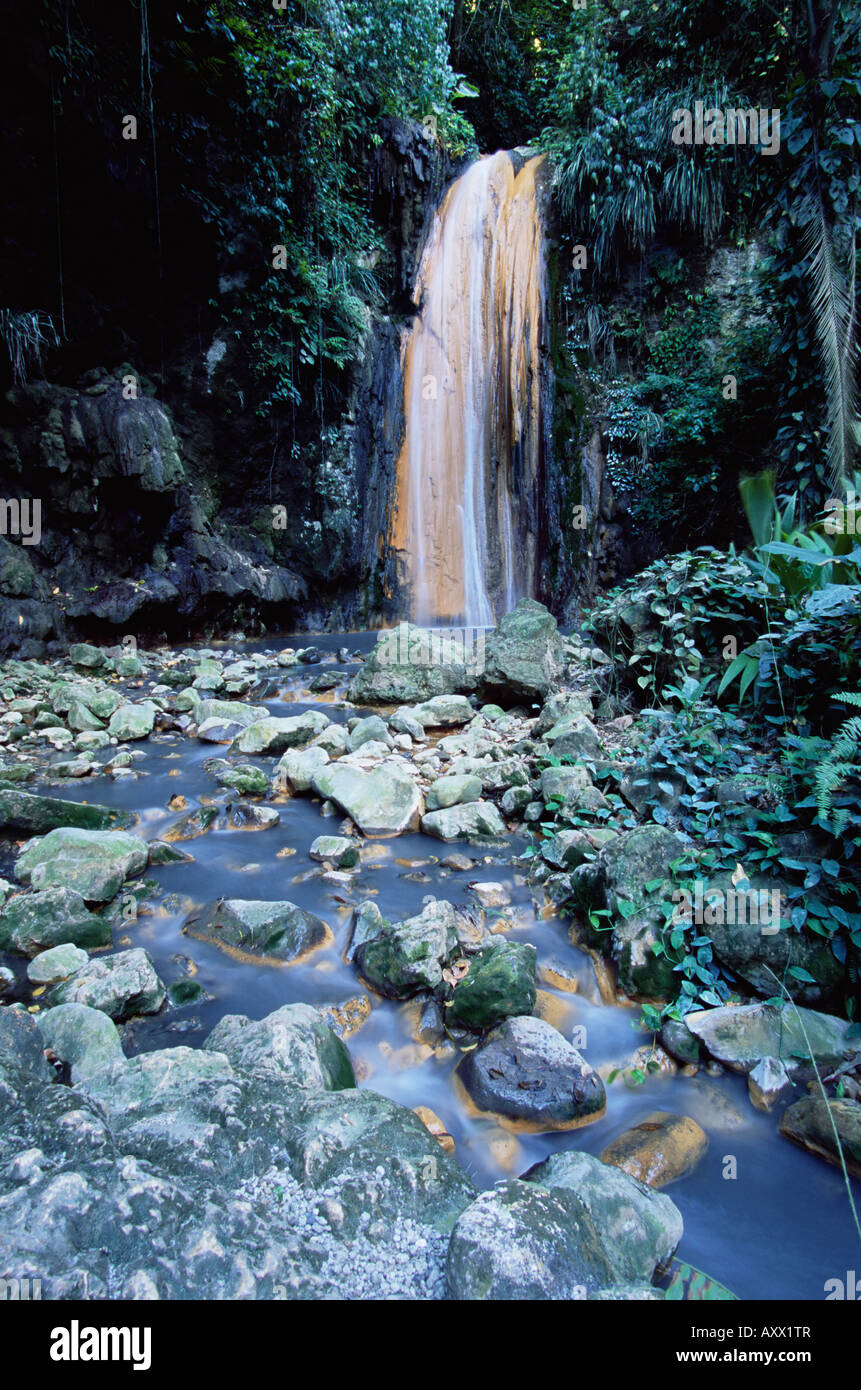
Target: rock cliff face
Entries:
(183, 512)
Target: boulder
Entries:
(568, 848)
(474, 820)
(574, 736)
(520, 1241)
(279, 930)
(370, 730)
(441, 711)
(247, 780)
(132, 721)
(25, 813)
(58, 963)
(559, 705)
(405, 957)
(412, 664)
(295, 771)
(273, 735)
(225, 711)
(524, 655)
(500, 984)
(640, 1228)
(335, 849)
(292, 1044)
(741, 925)
(384, 1160)
(84, 655)
(33, 922)
(121, 985)
(452, 791)
(21, 1047)
(572, 787)
(739, 1036)
(525, 1070)
(95, 863)
(385, 801)
(84, 1038)
(811, 1123)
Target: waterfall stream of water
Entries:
(471, 453)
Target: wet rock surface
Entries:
(277, 1162)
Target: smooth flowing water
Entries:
(779, 1229)
(469, 464)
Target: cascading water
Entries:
(467, 472)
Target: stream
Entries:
(778, 1230)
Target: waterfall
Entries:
(467, 473)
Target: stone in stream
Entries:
(33, 922)
(327, 680)
(226, 711)
(368, 923)
(490, 896)
(219, 730)
(525, 1070)
(132, 721)
(410, 664)
(382, 802)
(336, 849)
(639, 1228)
(244, 816)
(85, 1039)
(811, 1124)
(452, 791)
(28, 814)
(524, 655)
(469, 821)
(292, 1044)
(661, 1148)
(94, 863)
(520, 1241)
(405, 957)
(275, 735)
(767, 1082)
(739, 1036)
(245, 779)
(295, 770)
(332, 741)
(370, 730)
(442, 711)
(57, 963)
(87, 656)
(279, 930)
(500, 983)
(82, 719)
(192, 825)
(573, 788)
(121, 985)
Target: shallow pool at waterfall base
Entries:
(772, 1225)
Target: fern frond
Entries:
(842, 764)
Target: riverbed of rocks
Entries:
(254, 1166)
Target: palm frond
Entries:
(832, 299)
